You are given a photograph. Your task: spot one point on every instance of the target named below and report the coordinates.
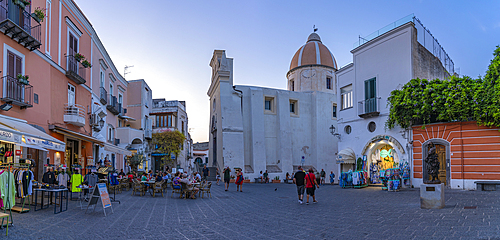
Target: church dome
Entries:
(313, 53)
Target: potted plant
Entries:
(79, 57)
(23, 79)
(22, 3)
(246, 180)
(86, 64)
(276, 179)
(232, 179)
(38, 14)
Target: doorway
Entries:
(71, 152)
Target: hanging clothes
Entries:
(49, 177)
(63, 179)
(30, 185)
(26, 180)
(92, 179)
(8, 189)
(76, 180)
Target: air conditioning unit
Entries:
(94, 120)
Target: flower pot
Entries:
(246, 180)
(36, 18)
(20, 3)
(276, 181)
(78, 58)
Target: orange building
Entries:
(467, 152)
(54, 72)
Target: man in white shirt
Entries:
(189, 185)
(197, 177)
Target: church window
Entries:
(328, 83)
(269, 104)
(346, 97)
(294, 107)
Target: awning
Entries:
(127, 118)
(19, 131)
(346, 156)
(76, 135)
(32, 146)
(116, 149)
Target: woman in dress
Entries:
(239, 181)
(217, 174)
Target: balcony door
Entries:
(15, 90)
(71, 95)
(370, 95)
(72, 51)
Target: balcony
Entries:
(128, 135)
(16, 23)
(113, 105)
(148, 134)
(17, 93)
(75, 70)
(74, 114)
(104, 96)
(369, 108)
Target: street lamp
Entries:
(101, 122)
(332, 131)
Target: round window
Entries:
(348, 129)
(372, 126)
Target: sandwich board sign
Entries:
(100, 193)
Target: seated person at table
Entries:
(158, 178)
(176, 184)
(121, 174)
(189, 185)
(197, 177)
(165, 176)
(144, 177)
(130, 177)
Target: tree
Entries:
(135, 160)
(168, 143)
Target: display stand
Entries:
(100, 193)
(9, 167)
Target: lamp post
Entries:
(332, 131)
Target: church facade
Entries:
(258, 129)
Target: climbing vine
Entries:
(456, 99)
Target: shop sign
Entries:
(8, 136)
(18, 152)
(44, 143)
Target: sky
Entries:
(170, 43)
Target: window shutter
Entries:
(19, 65)
(367, 87)
(11, 64)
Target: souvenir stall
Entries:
(360, 176)
(387, 169)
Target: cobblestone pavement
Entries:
(271, 211)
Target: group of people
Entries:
(227, 178)
(306, 182)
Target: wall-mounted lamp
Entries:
(101, 122)
(5, 107)
(332, 131)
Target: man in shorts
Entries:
(298, 179)
(227, 177)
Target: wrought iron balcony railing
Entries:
(17, 23)
(75, 70)
(17, 93)
(369, 107)
(104, 96)
(74, 114)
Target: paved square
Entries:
(260, 212)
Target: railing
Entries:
(17, 93)
(104, 96)
(369, 106)
(75, 70)
(21, 17)
(74, 110)
(113, 105)
(424, 37)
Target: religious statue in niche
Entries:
(432, 165)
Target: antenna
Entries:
(315, 28)
(125, 70)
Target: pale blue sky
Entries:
(170, 43)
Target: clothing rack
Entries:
(22, 209)
(9, 167)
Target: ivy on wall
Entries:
(456, 99)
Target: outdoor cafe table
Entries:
(151, 186)
(48, 192)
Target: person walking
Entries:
(227, 177)
(311, 185)
(206, 173)
(332, 178)
(298, 179)
(217, 176)
(323, 176)
(239, 180)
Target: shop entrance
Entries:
(71, 152)
(381, 158)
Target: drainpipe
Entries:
(462, 158)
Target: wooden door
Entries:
(441, 152)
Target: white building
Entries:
(170, 116)
(200, 153)
(258, 129)
(400, 52)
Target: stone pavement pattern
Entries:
(260, 212)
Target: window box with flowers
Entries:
(79, 57)
(23, 79)
(22, 3)
(86, 64)
(38, 15)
